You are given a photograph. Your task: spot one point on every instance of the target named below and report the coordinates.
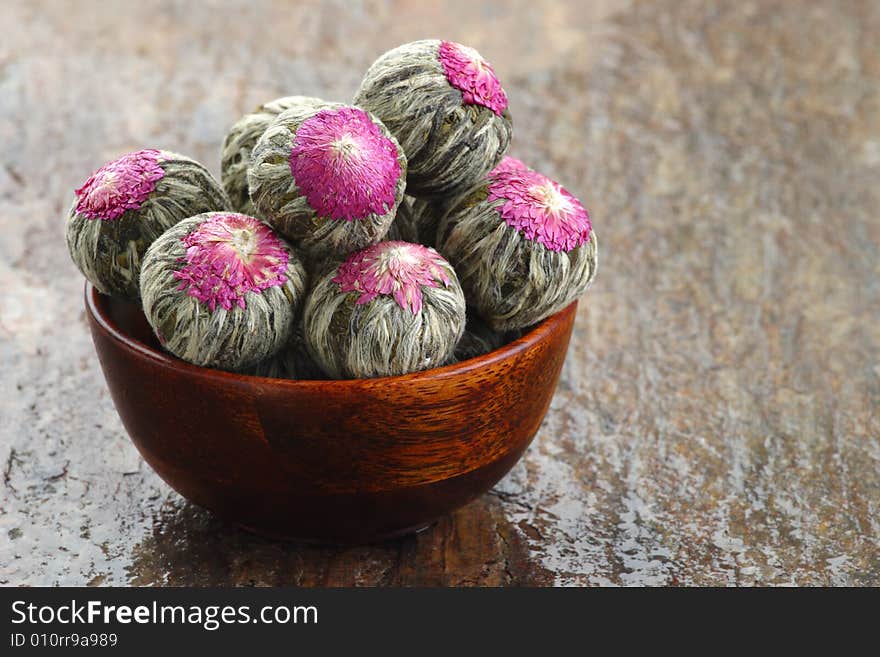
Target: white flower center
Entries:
(475, 57)
(404, 255)
(244, 242)
(345, 147)
(553, 200)
(401, 256)
(108, 182)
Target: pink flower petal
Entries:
(468, 72)
(396, 269)
(121, 185)
(344, 166)
(538, 207)
(229, 255)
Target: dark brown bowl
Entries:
(332, 461)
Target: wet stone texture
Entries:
(717, 419)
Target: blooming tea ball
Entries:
(278, 366)
(240, 142)
(328, 177)
(446, 107)
(389, 309)
(417, 219)
(522, 245)
(479, 339)
(128, 203)
(222, 290)
(406, 226)
(292, 362)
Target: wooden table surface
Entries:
(717, 418)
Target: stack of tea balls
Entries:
(377, 238)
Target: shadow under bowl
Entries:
(347, 461)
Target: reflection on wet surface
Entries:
(190, 547)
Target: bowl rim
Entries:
(95, 304)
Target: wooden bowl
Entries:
(350, 461)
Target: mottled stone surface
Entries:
(717, 421)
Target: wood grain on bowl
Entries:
(338, 461)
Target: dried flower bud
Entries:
(389, 309)
(222, 290)
(125, 205)
(328, 177)
(240, 142)
(522, 245)
(446, 107)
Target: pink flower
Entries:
(120, 185)
(540, 208)
(229, 255)
(397, 269)
(468, 72)
(343, 164)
